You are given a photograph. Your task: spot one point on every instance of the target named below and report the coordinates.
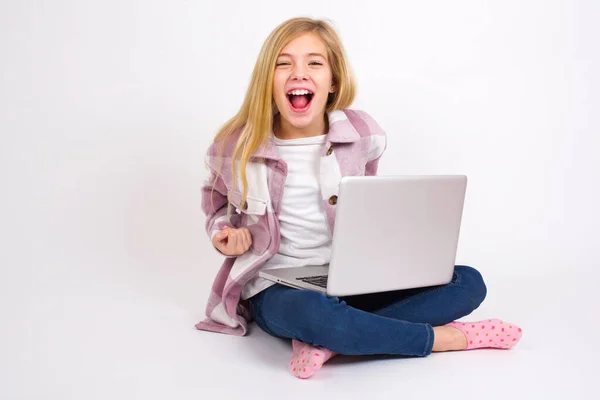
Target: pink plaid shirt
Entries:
(355, 143)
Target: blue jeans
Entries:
(395, 323)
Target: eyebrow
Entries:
(309, 54)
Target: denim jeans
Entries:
(394, 323)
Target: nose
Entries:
(299, 74)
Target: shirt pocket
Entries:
(251, 206)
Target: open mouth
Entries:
(300, 99)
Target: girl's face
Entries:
(302, 82)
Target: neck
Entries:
(286, 131)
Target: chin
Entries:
(302, 119)
(299, 121)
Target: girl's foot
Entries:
(307, 359)
(491, 333)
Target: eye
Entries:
(315, 63)
(282, 63)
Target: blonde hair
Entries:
(255, 116)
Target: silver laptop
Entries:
(391, 233)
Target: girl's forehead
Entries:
(305, 44)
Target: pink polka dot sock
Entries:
(308, 359)
(491, 333)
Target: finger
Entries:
(232, 241)
(243, 240)
(224, 232)
(240, 244)
(219, 237)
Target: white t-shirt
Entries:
(305, 236)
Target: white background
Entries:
(107, 107)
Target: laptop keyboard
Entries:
(319, 280)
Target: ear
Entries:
(332, 89)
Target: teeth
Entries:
(299, 92)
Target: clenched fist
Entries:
(232, 242)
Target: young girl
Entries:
(270, 202)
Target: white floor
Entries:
(126, 332)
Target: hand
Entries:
(232, 242)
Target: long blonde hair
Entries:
(255, 116)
